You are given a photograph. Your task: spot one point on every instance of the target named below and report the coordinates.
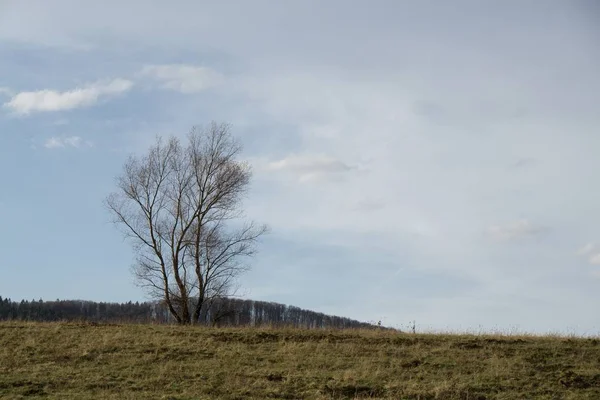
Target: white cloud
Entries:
(309, 163)
(183, 78)
(4, 91)
(514, 230)
(587, 249)
(591, 251)
(24, 103)
(53, 143)
(594, 259)
(311, 167)
(62, 142)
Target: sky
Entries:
(427, 161)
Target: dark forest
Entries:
(221, 312)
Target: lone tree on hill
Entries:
(181, 206)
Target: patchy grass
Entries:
(83, 361)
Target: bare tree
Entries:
(180, 205)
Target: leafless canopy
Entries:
(181, 208)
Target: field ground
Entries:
(84, 361)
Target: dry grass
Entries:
(82, 361)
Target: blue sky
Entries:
(426, 161)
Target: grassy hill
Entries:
(85, 361)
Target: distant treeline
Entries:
(221, 312)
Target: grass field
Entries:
(83, 361)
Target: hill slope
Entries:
(86, 361)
